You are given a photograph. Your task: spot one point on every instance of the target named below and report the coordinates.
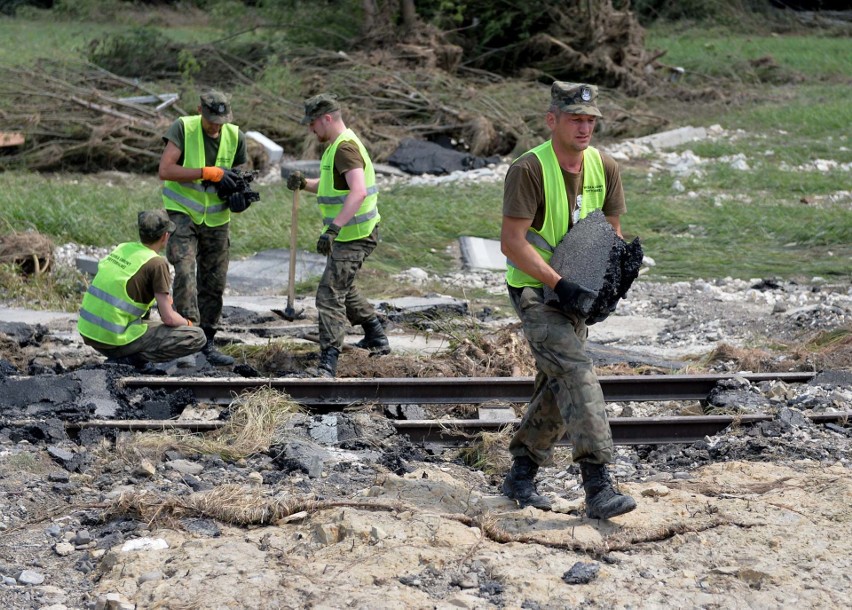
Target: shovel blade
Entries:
(289, 313)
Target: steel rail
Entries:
(458, 432)
(334, 394)
(625, 430)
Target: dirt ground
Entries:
(757, 516)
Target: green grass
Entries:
(739, 224)
(745, 235)
(718, 53)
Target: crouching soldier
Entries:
(114, 316)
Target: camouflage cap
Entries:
(216, 107)
(153, 223)
(321, 104)
(575, 98)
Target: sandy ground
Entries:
(756, 518)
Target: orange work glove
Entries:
(225, 178)
(213, 174)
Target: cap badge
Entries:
(585, 94)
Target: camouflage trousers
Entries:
(200, 257)
(567, 396)
(338, 299)
(161, 343)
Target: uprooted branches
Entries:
(74, 117)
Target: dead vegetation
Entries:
(246, 506)
(472, 353)
(255, 423)
(29, 251)
(822, 350)
(395, 83)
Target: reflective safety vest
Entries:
(108, 314)
(331, 200)
(201, 203)
(556, 207)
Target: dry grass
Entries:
(830, 349)
(30, 251)
(277, 356)
(255, 423)
(489, 452)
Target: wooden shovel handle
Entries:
(294, 216)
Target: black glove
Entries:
(228, 183)
(296, 181)
(574, 298)
(327, 238)
(238, 203)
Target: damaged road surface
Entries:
(284, 509)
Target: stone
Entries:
(30, 577)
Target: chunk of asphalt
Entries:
(581, 573)
(593, 255)
(583, 255)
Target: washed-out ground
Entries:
(757, 516)
(340, 511)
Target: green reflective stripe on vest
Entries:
(108, 314)
(556, 206)
(201, 203)
(331, 200)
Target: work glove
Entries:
(575, 298)
(237, 202)
(327, 238)
(225, 179)
(296, 181)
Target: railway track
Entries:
(324, 395)
(327, 396)
(625, 430)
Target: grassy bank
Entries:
(786, 216)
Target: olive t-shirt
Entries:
(346, 157)
(175, 134)
(152, 277)
(523, 192)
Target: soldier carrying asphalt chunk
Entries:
(546, 192)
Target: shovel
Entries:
(290, 313)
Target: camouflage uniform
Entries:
(161, 343)
(200, 257)
(567, 395)
(338, 299)
(198, 251)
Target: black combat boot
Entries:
(374, 339)
(519, 485)
(602, 500)
(327, 366)
(214, 356)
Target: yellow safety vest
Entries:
(108, 314)
(331, 200)
(201, 203)
(556, 207)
